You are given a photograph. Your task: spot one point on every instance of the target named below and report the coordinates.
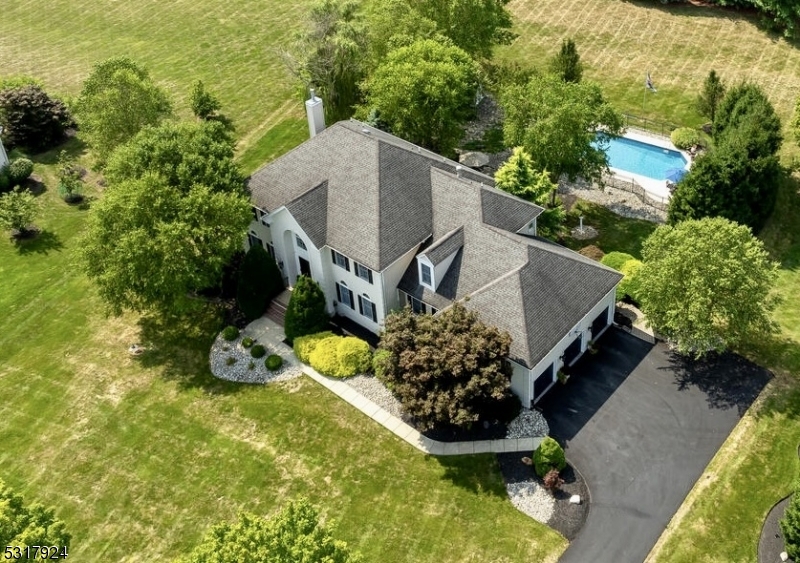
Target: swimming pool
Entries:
(640, 158)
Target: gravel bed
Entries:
(240, 371)
(529, 423)
(373, 389)
(619, 201)
(531, 498)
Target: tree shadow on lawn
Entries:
(479, 474)
(728, 380)
(42, 243)
(180, 344)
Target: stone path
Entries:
(270, 334)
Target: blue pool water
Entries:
(640, 158)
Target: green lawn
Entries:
(615, 232)
(231, 46)
(141, 455)
(619, 41)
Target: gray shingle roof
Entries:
(310, 211)
(445, 246)
(505, 212)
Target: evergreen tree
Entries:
(567, 63)
(306, 313)
(260, 281)
(710, 96)
(790, 526)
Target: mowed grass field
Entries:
(619, 41)
(140, 456)
(230, 46)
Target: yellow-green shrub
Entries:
(325, 356)
(354, 356)
(304, 345)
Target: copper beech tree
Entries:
(450, 369)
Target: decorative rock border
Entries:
(239, 372)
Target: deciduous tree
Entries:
(706, 284)
(117, 100)
(425, 92)
(183, 154)
(32, 119)
(294, 535)
(557, 123)
(567, 63)
(149, 246)
(204, 103)
(29, 524)
(259, 281)
(450, 369)
(18, 209)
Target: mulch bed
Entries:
(478, 431)
(567, 519)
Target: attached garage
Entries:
(542, 383)
(573, 351)
(600, 323)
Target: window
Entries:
(271, 250)
(253, 240)
(340, 260)
(417, 306)
(363, 272)
(367, 308)
(300, 242)
(344, 295)
(427, 279)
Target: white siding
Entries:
(358, 286)
(391, 278)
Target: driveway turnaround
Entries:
(641, 424)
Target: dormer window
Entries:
(425, 274)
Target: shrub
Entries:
(32, 118)
(354, 356)
(247, 342)
(592, 252)
(381, 361)
(69, 178)
(304, 345)
(790, 526)
(230, 333)
(338, 356)
(549, 455)
(5, 180)
(230, 360)
(19, 170)
(18, 209)
(686, 137)
(273, 362)
(306, 313)
(258, 351)
(616, 260)
(505, 410)
(630, 285)
(259, 281)
(553, 481)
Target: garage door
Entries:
(572, 351)
(542, 382)
(599, 323)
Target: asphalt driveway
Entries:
(641, 424)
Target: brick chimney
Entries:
(315, 113)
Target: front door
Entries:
(305, 267)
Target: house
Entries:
(381, 223)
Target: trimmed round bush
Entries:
(247, 342)
(686, 137)
(258, 351)
(304, 345)
(230, 333)
(549, 455)
(354, 356)
(616, 260)
(273, 362)
(324, 356)
(19, 170)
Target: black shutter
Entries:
(374, 314)
(369, 273)
(333, 255)
(360, 306)
(347, 264)
(338, 294)
(351, 298)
